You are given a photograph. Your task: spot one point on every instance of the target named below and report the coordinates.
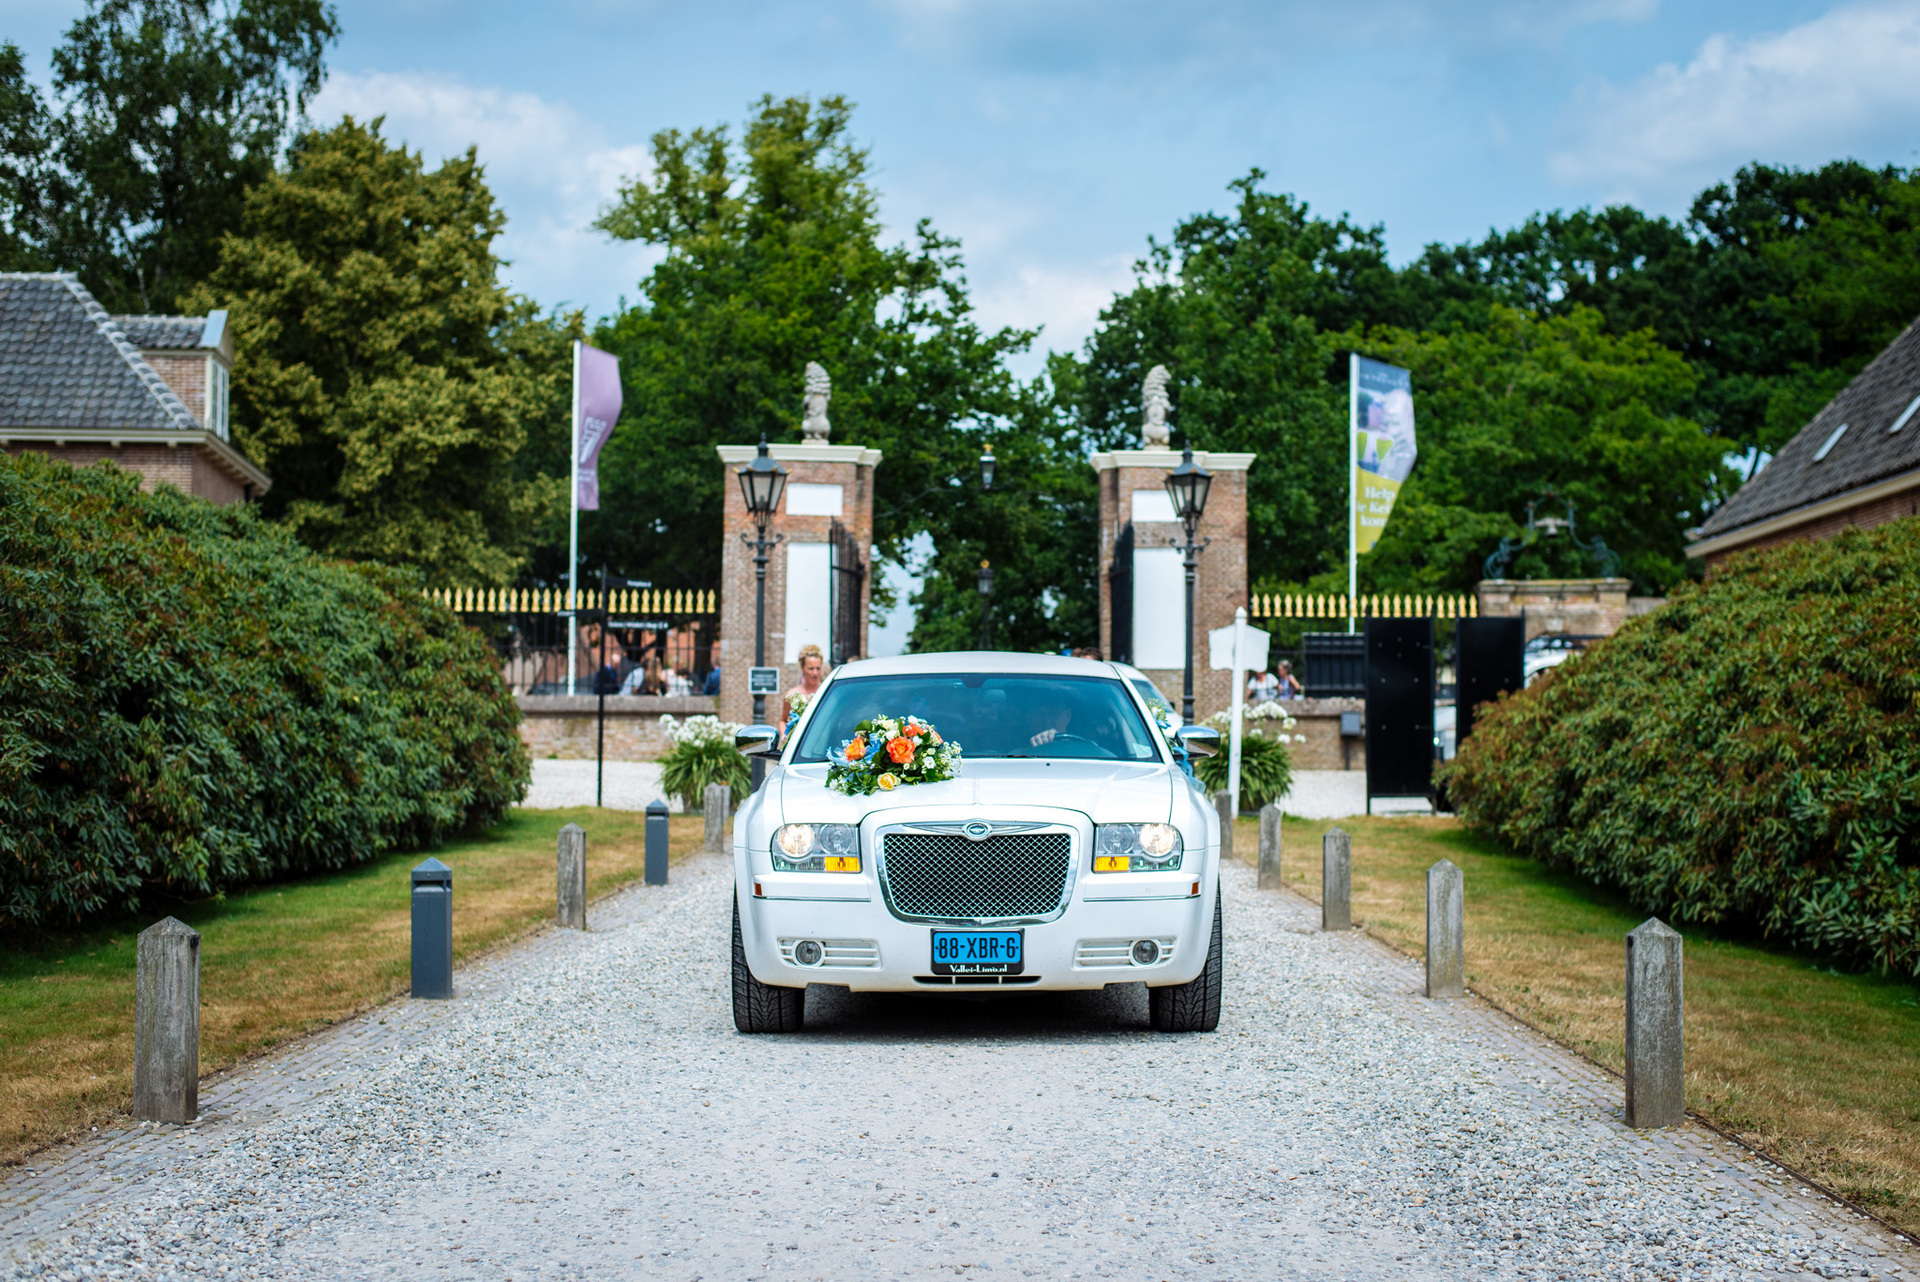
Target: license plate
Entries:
(978, 952)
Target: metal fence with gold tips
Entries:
(1378, 606)
(646, 602)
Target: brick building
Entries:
(818, 588)
(1856, 464)
(148, 392)
(1142, 576)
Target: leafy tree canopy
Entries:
(383, 376)
(774, 258)
(167, 112)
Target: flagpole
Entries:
(573, 520)
(1353, 497)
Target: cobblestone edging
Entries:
(585, 1108)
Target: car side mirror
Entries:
(1199, 741)
(757, 741)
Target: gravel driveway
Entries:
(585, 1109)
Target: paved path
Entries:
(584, 1109)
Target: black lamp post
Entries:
(761, 483)
(1187, 486)
(986, 596)
(986, 467)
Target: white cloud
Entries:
(551, 169)
(1064, 298)
(1805, 91)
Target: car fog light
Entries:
(808, 952)
(1145, 952)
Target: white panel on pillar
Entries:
(807, 498)
(1153, 505)
(1159, 608)
(809, 598)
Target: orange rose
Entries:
(914, 732)
(901, 750)
(856, 750)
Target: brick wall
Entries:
(568, 728)
(187, 467)
(186, 374)
(1220, 579)
(1877, 512)
(849, 466)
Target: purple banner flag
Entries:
(595, 411)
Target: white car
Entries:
(1070, 852)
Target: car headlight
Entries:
(816, 848)
(1136, 848)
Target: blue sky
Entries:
(1054, 138)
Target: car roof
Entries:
(976, 661)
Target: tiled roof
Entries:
(154, 333)
(64, 363)
(1866, 452)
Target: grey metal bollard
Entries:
(166, 1023)
(1270, 846)
(1223, 804)
(1446, 931)
(1336, 880)
(433, 931)
(570, 893)
(1656, 1045)
(656, 843)
(718, 801)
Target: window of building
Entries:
(217, 379)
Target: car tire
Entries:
(758, 1007)
(1193, 1007)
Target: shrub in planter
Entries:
(190, 700)
(1266, 755)
(702, 753)
(1747, 754)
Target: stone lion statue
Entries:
(1155, 402)
(814, 425)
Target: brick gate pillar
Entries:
(826, 484)
(1133, 498)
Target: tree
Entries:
(28, 180)
(383, 376)
(171, 110)
(1529, 402)
(773, 258)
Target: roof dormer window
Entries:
(1832, 441)
(218, 380)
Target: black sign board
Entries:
(1399, 708)
(1489, 662)
(763, 681)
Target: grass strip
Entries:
(1812, 1066)
(276, 962)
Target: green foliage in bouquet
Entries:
(1266, 761)
(190, 700)
(1747, 754)
(702, 753)
(888, 752)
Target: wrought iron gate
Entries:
(1120, 597)
(845, 583)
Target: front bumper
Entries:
(868, 949)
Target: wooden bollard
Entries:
(1223, 804)
(718, 800)
(1336, 880)
(1656, 1043)
(166, 1023)
(1270, 846)
(570, 894)
(1446, 931)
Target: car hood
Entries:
(1104, 791)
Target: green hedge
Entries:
(1749, 754)
(190, 700)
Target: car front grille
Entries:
(947, 877)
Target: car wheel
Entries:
(758, 1007)
(1192, 1007)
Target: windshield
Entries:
(1010, 714)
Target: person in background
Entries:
(713, 681)
(1262, 686)
(679, 683)
(813, 670)
(1290, 687)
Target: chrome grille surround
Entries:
(934, 873)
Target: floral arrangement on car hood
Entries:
(887, 752)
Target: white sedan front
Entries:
(1071, 852)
